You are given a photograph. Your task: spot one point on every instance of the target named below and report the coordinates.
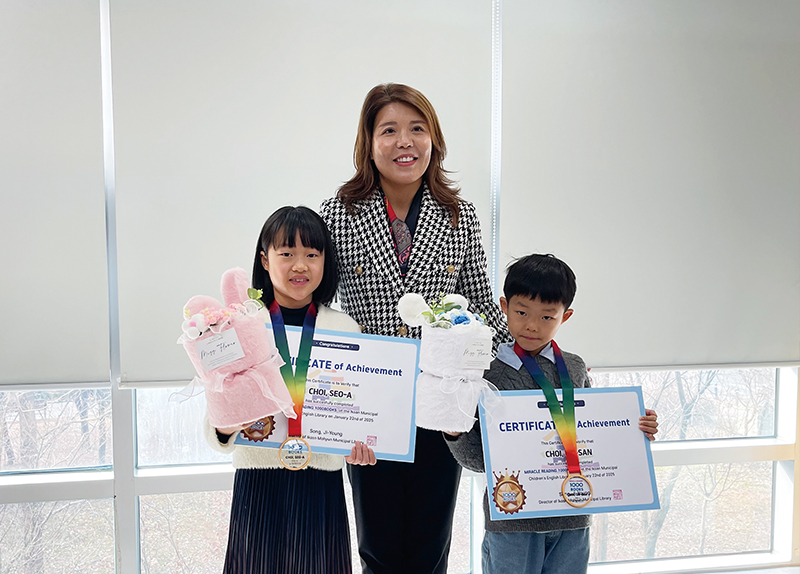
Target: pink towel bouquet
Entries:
(234, 355)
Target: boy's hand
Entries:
(648, 424)
(361, 454)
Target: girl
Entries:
(282, 521)
(400, 226)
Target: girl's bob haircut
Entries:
(280, 230)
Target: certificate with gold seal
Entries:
(358, 387)
(526, 464)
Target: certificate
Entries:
(526, 464)
(359, 387)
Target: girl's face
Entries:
(401, 145)
(295, 273)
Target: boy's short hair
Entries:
(542, 276)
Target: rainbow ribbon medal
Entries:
(576, 488)
(295, 452)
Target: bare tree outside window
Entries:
(65, 536)
(47, 430)
(699, 404)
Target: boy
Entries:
(538, 292)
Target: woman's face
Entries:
(401, 146)
(295, 272)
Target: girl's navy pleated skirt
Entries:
(288, 522)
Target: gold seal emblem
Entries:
(508, 494)
(259, 430)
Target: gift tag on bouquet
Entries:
(219, 349)
(477, 354)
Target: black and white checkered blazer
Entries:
(444, 259)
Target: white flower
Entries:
(411, 308)
(194, 326)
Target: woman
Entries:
(399, 227)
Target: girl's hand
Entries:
(361, 454)
(234, 430)
(648, 424)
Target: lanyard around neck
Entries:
(295, 379)
(564, 420)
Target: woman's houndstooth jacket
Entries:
(444, 259)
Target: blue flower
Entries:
(458, 316)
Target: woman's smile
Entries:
(406, 160)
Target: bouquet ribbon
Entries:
(466, 391)
(215, 383)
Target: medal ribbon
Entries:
(564, 420)
(295, 379)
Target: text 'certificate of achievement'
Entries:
(359, 387)
(525, 461)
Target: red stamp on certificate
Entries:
(372, 440)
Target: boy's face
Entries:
(532, 323)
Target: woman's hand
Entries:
(361, 454)
(648, 424)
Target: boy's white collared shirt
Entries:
(505, 352)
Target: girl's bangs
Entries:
(310, 233)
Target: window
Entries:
(51, 429)
(706, 509)
(704, 404)
(64, 536)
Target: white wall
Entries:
(654, 146)
(226, 111)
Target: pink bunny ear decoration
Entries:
(234, 286)
(234, 355)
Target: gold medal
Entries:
(577, 490)
(295, 453)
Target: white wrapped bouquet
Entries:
(455, 351)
